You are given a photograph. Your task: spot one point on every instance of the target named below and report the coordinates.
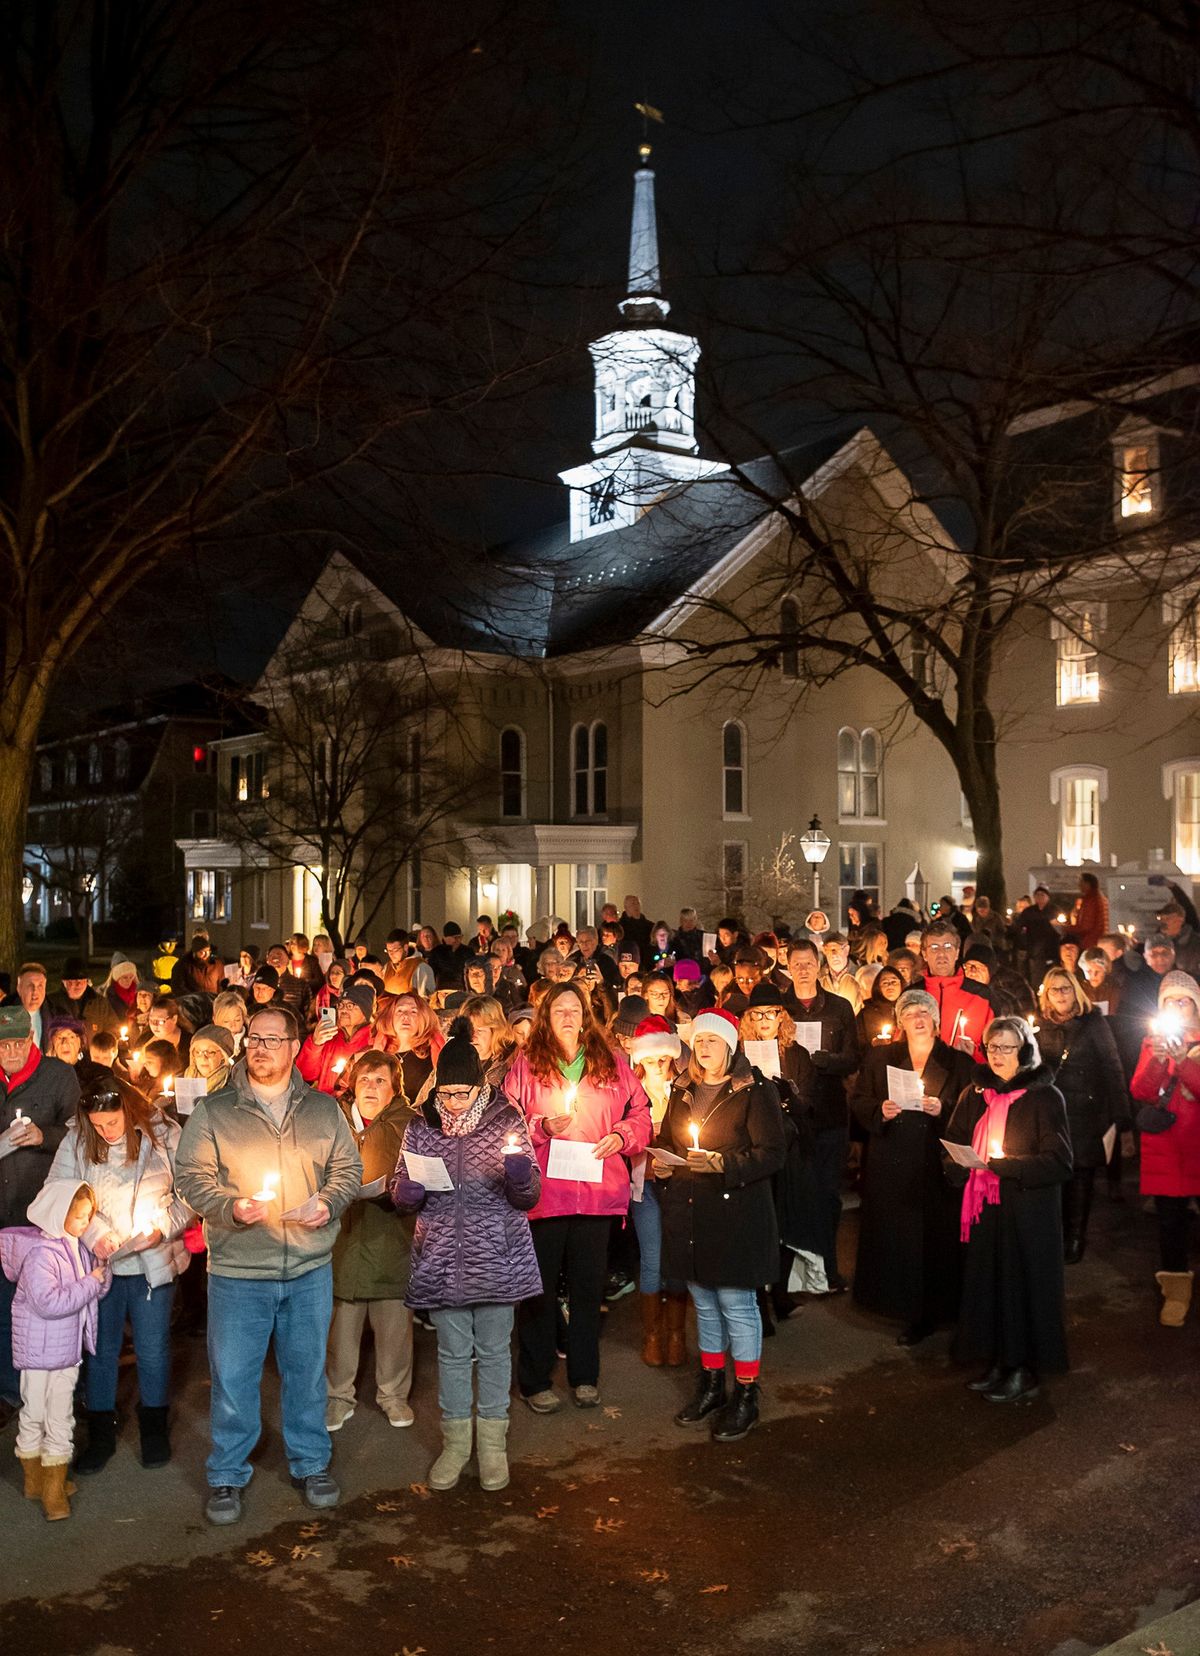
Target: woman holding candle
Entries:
(371, 1254)
(877, 1020)
(1166, 1084)
(125, 1151)
(1077, 1043)
(909, 1263)
(1015, 1120)
(473, 1258)
(572, 1087)
(656, 1053)
(720, 1232)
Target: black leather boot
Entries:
(156, 1439)
(102, 1442)
(989, 1381)
(738, 1415)
(1020, 1386)
(710, 1396)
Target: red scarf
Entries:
(983, 1186)
(12, 1082)
(129, 996)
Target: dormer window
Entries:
(1138, 480)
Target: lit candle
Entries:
(695, 1132)
(295, 968)
(959, 1020)
(169, 1086)
(143, 1220)
(1062, 919)
(339, 1066)
(569, 1099)
(885, 1032)
(124, 1032)
(137, 1058)
(270, 1189)
(511, 1147)
(997, 1150)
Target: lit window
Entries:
(733, 877)
(512, 773)
(1181, 611)
(210, 894)
(1137, 488)
(1077, 678)
(733, 756)
(258, 898)
(860, 772)
(858, 871)
(239, 782)
(1079, 791)
(589, 770)
(1181, 785)
(590, 892)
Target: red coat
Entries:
(1090, 920)
(315, 1063)
(966, 1008)
(1170, 1160)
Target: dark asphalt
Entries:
(879, 1508)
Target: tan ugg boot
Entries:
(491, 1437)
(31, 1466)
(652, 1330)
(677, 1308)
(1177, 1296)
(54, 1490)
(456, 1452)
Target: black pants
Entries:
(829, 1166)
(1174, 1228)
(577, 1247)
(1077, 1202)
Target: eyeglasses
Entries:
(995, 1051)
(271, 1043)
(457, 1095)
(941, 948)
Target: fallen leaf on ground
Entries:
(614, 1500)
(419, 1651)
(606, 1526)
(872, 1409)
(651, 1576)
(821, 1391)
(389, 1506)
(1131, 1449)
(299, 1551)
(960, 1544)
(1159, 1649)
(546, 1512)
(570, 1487)
(721, 1587)
(592, 1427)
(262, 1559)
(401, 1561)
(421, 1491)
(612, 1414)
(307, 1531)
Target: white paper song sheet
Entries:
(963, 1155)
(375, 1188)
(764, 1055)
(189, 1090)
(905, 1087)
(429, 1171)
(708, 942)
(1109, 1141)
(306, 1210)
(808, 1035)
(571, 1159)
(667, 1158)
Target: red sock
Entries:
(746, 1373)
(712, 1359)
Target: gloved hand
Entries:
(821, 1060)
(517, 1169)
(406, 1193)
(1152, 1118)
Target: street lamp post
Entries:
(814, 847)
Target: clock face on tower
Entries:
(602, 500)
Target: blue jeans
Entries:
(10, 1380)
(149, 1313)
(244, 1315)
(728, 1319)
(479, 1334)
(647, 1227)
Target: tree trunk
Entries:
(15, 766)
(982, 791)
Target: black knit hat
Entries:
(458, 1062)
(630, 1014)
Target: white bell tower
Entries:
(645, 377)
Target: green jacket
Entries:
(230, 1142)
(371, 1254)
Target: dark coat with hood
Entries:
(1012, 1310)
(1087, 1071)
(371, 1254)
(720, 1229)
(909, 1255)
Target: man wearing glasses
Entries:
(37, 1102)
(966, 1006)
(270, 1164)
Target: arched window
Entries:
(121, 759)
(860, 775)
(789, 632)
(512, 772)
(70, 769)
(352, 621)
(733, 761)
(46, 774)
(1079, 791)
(95, 764)
(589, 769)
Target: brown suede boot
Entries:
(677, 1305)
(31, 1465)
(54, 1490)
(652, 1330)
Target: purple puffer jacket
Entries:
(473, 1244)
(54, 1311)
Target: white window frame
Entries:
(121, 759)
(740, 770)
(1136, 502)
(861, 775)
(847, 890)
(733, 896)
(210, 894)
(95, 765)
(589, 892)
(589, 771)
(46, 773)
(509, 771)
(1181, 613)
(1186, 857)
(70, 769)
(1072, 848)
(258, 900)
(1076, 638)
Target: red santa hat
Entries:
(654, 1038)
(716, 1021)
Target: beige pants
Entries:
(392, 1324)
(47, 1422)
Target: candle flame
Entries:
(997, 1149)
(124, 1032)
(339, 1066)
(270, 1188)
(885, 1030)
(569, 1099)
(695, 1132)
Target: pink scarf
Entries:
(983, 1186)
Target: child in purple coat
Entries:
(472, 1255)
(53, 1321)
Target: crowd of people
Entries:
(497, 1134)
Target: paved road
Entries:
(879, 1509)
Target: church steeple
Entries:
(645, 303)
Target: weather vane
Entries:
(648, 113)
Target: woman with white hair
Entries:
(1166, 1084)
(908, 1251)
(1014, 1119)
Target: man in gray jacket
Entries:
(270, 1164)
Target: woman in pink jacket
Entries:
(586, 1112)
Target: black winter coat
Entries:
(1012, 1301)
(719, 1229)
(821, 1078)
(909, 1254)
(1083, 1057)
(48, 1096)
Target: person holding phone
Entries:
(1166, 1085)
